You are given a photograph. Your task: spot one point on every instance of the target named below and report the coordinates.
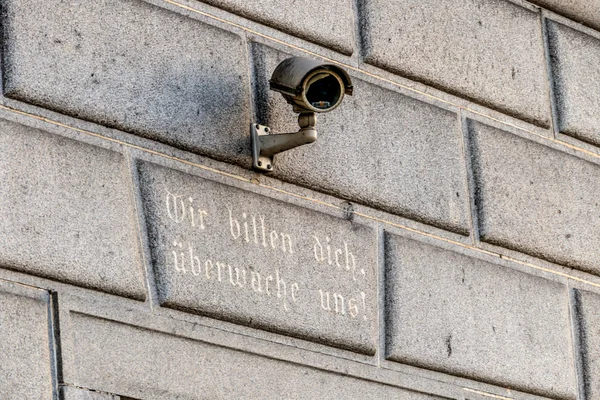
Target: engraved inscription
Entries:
(239, 256)
(255, 229)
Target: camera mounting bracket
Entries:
(265, 144)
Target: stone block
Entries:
(132, 66)
(575, 58)
(234, 255)
(144, 364)
(73, 393)
(459, 315)
(66, 212)
(329, 23)
(584, 11)
(487, 51)
(379, 148)
(535, 199)
(587, 313)
(25, 356)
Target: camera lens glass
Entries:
(323, 90)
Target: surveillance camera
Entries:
(311, 86)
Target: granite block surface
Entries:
(575, 60)
(329, 23)
(234, 255)
(463, 316)
(144, 364)
(66, 212)
(534, 199)
(132, 66)
(379, 148)
(587, 313)
(488, 51)
(74, 393)
(583, 11)
(25, 369)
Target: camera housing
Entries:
(310, 87)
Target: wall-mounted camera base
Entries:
(265, 144)
(260, 162)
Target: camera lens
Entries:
(323, 90)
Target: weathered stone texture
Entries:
(575, 61)
(535, 199)
(73, 393)
(25, 369)
(284, 268)
(235, 255)
(584, 11)
(449, 312)
(132, 66)
(401, 155)
(489, 51)
(66, 212)
(330, 23)
(587, 312)
(147, 364)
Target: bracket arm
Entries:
(266, 145)
(278, 143)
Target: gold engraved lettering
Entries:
(237, 281)
(208, 267)
(255, 231)
(234, 233)
(267, 280)
(192, 211)
(256, 282)
(280, 284)
(175, 207)
(338, 253)
(201, 214)
(178, 257)
(324, 306)
(339, 304)
(364, 301)
(262, 229)
(294, 291)
(194, 262)
(349, 256)
(246, 228)
(343, 305)
(352, 307)
(179, 211)
(254, 228)
(284, 291)
(318, 250)
(219, 266)
(283, 238)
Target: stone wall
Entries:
(439, 240)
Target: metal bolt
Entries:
(259, 163)
(269, 166)
(257, 126)
(267, 129)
